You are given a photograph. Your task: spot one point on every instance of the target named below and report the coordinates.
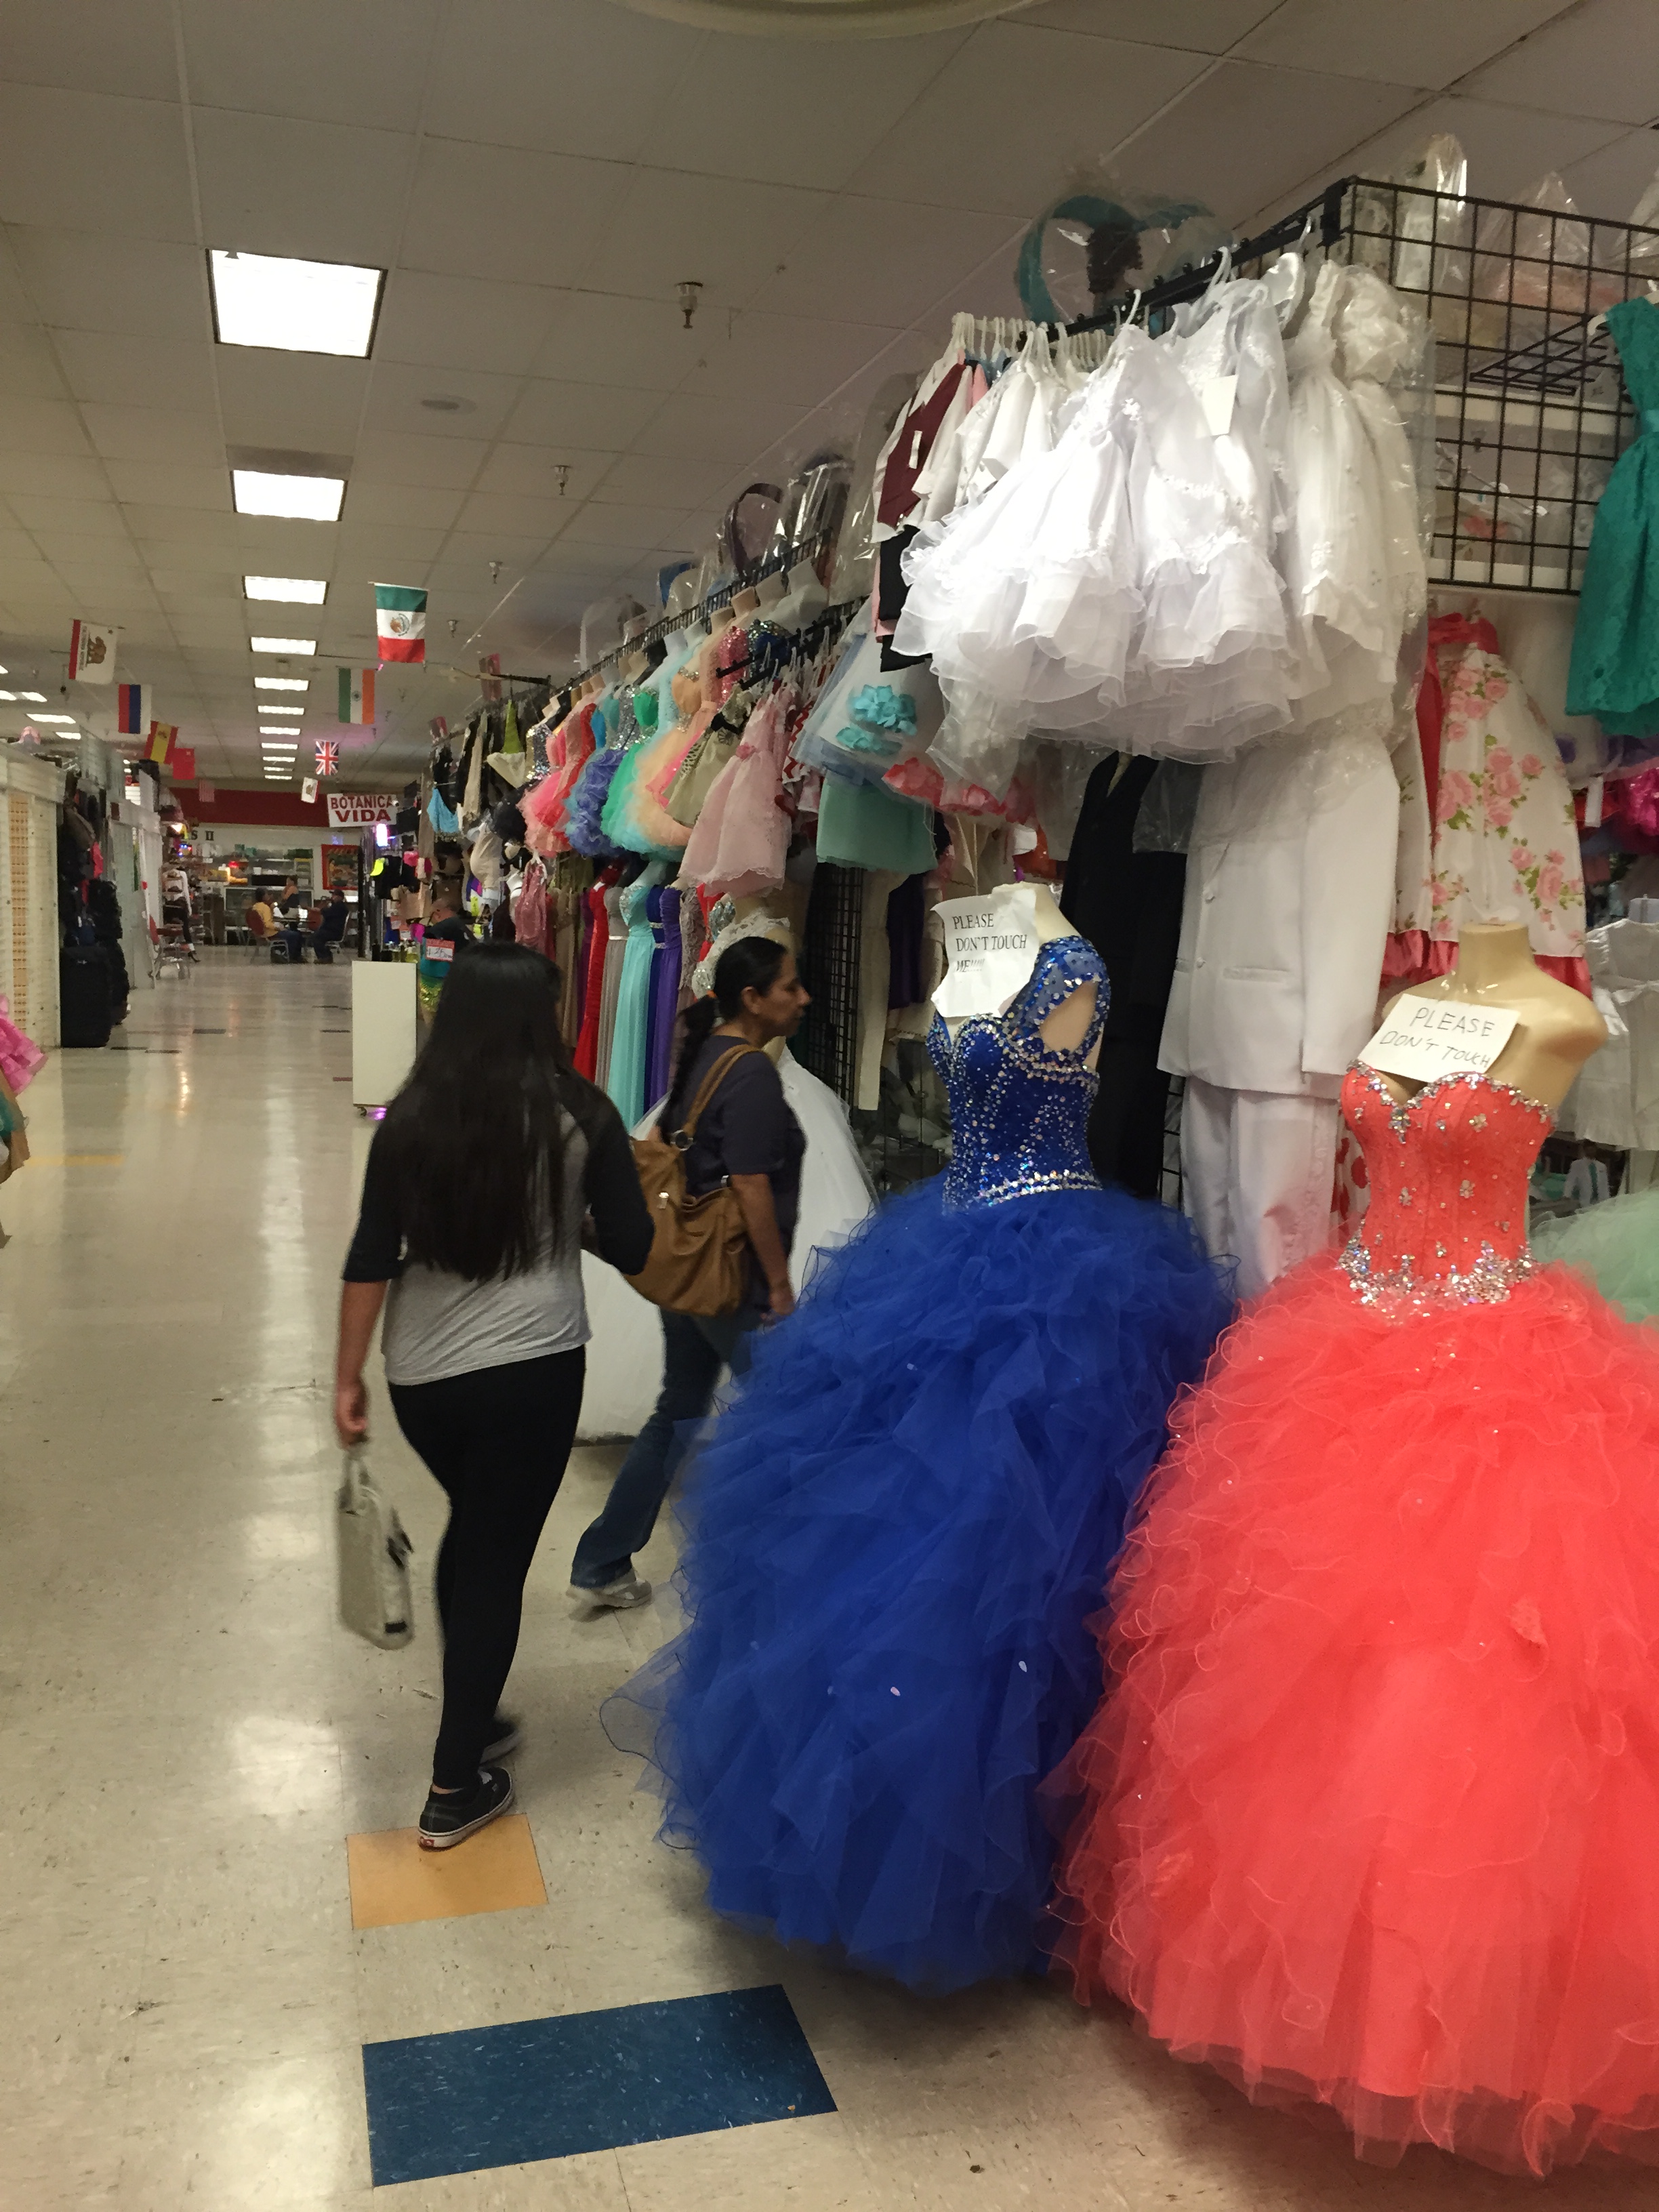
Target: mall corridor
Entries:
(191, 1741)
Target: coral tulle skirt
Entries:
(1370, 1816)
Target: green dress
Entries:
(1616, 1245)
(1615, 645)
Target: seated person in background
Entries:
(330, 926)
(261, 921)
(290, 901)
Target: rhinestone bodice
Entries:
(1018, 1111)
(1447, 1170)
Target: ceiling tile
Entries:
(635, 481)
(122, 46)
(460, 322)
(398, 389)
(415, 505)
(43, 426)
(363, 63)
(392, 457)
(28, 364)
(533, 471)
(52, 476)
(170, 483)
(81, 518)
(1205, 26)
(785, 139)
(590, 85)
(696, 429)
(370, 547)
(191, 580)
(136, 287)
(80, 160)
(641, 344)
(636, 526)
(728, 236)
(886, 261)
(154, 434)
(1600, 60)
(309, 403)
(1508, 154)
(955, 147)
(1612, 181)
(536, 519)
(343, 189)
(1247, 134)
(1420, 42)
(485, 211)
(179, 527)
(593, 418)
(132, 371)
(782, 357)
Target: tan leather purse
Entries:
(699, 1262)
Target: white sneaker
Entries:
(627, 1590)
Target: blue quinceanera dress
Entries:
(893, 1538)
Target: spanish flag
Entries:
(158, 746)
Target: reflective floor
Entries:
(190, 1741)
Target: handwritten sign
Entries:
(991, 946)
(361, 810)
(1422, 1038)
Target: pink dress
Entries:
(21, 1058)
(741, 839)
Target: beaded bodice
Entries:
(1019, 1111)
(1447, 1170)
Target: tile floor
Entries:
(190, 1740)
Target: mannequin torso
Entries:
(1559, 1028)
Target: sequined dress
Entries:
(1370, 1814)
(894, 1538)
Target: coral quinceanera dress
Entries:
(1370, 1816)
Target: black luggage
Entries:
(84, 1009)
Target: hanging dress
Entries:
(1615, 645)
(625, 1070)
(1369, 1816)
(895, 1534)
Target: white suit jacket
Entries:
(1289, 893)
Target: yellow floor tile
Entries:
(393, 1880)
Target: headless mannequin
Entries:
(1066, 1028)
(1559, 1028)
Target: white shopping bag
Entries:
(373, 1554)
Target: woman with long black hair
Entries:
(478, 1182)
(747, 1136)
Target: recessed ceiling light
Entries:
(302, 648)
(305, 499)
(297, 307)
(299, 591)
(281, 683)
(40, 695)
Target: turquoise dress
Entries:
(1615, 645)
(625, 1079)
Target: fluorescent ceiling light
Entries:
(281, 683)
(40, 695)
(306, 499)
(299, 591)
(5, 671)
(278, 730)
(298, 306)
(302, 648)
(8, 694)
(68, 719)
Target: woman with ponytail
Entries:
(747, 1136)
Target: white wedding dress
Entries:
(625, 1355)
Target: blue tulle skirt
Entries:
(891, 1542)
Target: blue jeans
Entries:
(694, 1349)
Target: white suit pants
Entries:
(1257, 1170)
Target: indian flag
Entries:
(357, 695)
(400, 621)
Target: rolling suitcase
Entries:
(84, 1007)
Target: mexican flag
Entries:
(400, 621)
(357, 695)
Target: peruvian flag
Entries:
(132, 706)
(357, 694)
(400, 621)
(328, 757)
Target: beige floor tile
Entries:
(394, 1881)
(808, 2164)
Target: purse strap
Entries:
(711, 1083)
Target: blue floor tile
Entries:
(587, 2081)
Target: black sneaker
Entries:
(450, 1819)
(505, 1737)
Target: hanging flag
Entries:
(328, 757)
(159, 744)
(91, 653)
(400, 621)
(357, 695)
(132, 706)
(181, 766)
(308, 791)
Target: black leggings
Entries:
(498, 1440)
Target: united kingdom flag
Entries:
(328, 757)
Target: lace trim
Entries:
(1488, 1282)
(1400, 1110)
